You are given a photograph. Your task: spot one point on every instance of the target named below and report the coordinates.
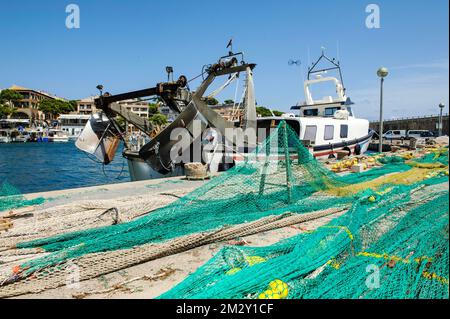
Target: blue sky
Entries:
(125, 45)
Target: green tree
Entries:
(55, 107)
(6, 110)
(158, 119)
(264, 111)
(121, 122)
(153, 109)
(228, 102)
(73, 105)
(211, 101)
(277, 113)
(9, 97)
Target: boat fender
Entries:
(358, 149)
(348, 150)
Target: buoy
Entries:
(262, 296)
(372, 198)
(253, 260)
(16, 270)
(232, 271)
(277, 290)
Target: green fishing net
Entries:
(280, 176)
(11, 197)
(390, 248)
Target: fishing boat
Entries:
(156, 158)
(326, 125)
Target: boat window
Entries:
(344, 131)
(310, 133)
(311, 112)
(329, 111)
(266, 127)
(329, 132)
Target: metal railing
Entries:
(411, 118)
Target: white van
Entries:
(395, 134)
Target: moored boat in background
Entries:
(5, 136)
(57, 135)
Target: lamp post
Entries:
(441, 106)
(382, 73)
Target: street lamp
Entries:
(441, 106)
(382, 73)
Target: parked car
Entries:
(395, 134)
(419, 134)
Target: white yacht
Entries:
(56, 135)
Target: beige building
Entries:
(135, 106)
(86, 106)
(28, 107)
(230, 112)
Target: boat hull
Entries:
(140, 170)
(329, 150)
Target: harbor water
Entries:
(40, 167)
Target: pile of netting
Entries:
(265, 185)
(392, 246)
(11, 197)
(280, 177)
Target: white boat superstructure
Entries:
(73, 124)
(328, 124)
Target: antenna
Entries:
(230, 46)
